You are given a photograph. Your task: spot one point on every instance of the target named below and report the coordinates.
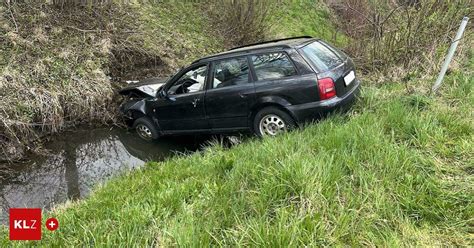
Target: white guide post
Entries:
(452, 49)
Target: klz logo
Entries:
(25, 223)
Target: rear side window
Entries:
(272, 66)
(229, 72)
(321, 56)
(339, 52)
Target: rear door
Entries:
(278, 79)
(229, 94)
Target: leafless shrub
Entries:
(240, 22)
(412, 35)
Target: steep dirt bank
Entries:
(60, 66)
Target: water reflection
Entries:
(77, 162)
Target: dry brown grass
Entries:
(52, 78)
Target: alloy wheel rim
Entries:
(271, 125)
(144, 132)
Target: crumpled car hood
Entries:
(144, 88)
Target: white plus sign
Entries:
(51, 224)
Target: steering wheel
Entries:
(187, 83)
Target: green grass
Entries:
(396, 170)
(179, 32)
(306, 17)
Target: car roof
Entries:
(274, 45)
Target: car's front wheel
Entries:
(146, 129)
(272, 121)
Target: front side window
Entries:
(192, 81)
(321, 56)
(272, 66)
(229, 72)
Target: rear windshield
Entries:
(321, 56)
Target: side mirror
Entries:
(161, 94)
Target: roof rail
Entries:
(270, 41)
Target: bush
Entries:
(411, 35)
(240, 22)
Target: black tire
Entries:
(276, 116)
(146, 129)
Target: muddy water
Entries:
(77, 161)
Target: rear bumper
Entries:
(310, 111)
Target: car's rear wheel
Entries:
(272, 121)
(146, 129)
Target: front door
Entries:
(183, 109)
(229, 94)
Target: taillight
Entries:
(326, 88)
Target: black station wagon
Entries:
(266, 88)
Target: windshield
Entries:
(321, 56)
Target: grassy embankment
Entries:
(297, 18)
(396, 170)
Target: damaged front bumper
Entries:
(136, 96)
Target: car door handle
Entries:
(242, 95)
(196, 100)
